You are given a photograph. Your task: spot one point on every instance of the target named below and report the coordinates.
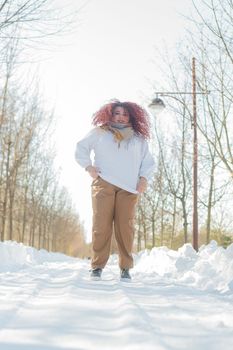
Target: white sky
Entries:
(109, 56)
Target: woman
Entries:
(120, 171)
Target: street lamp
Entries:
(156, 106)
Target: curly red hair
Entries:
(139, 117)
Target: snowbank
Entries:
(13, 254)
(210, 269)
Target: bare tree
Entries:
(34, 208)
(212, 42)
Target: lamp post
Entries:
(156, 106)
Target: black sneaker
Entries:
(125, 275)
(96, 274)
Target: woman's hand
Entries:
(93, 171)
(142, 184)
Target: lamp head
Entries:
(157, 105)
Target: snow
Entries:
(177, 300)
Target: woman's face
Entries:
(120, 115)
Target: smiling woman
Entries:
(117, 111)
(120, 115)
(121, 169)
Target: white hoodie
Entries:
(119, 165)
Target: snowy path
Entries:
(55, 306)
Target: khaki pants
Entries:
(111, 205)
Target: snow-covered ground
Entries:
(176, 300)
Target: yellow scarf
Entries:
(119, 134)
